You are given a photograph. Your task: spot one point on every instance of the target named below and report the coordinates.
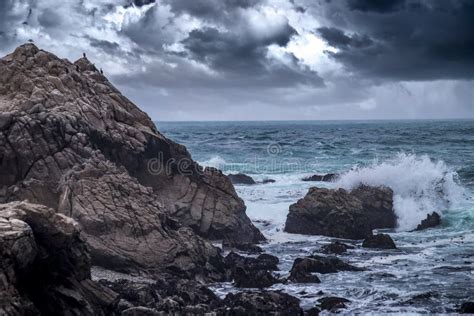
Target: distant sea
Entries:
(428, 164)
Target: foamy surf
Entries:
(420, 185)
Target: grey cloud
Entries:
(421, 41)
(380, 6)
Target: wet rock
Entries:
(380, 241)
(342, 214)
(166, 294)
(251, 272)
(467, 308)
(323, 265)
(335, 248)
(333, 303)
(262, 262)
(265, 181)
(246, 247)
(261, 303)
(241, 178)
(247, 278)
(140, 311)
(431, 220)
(73, 142)
(45, 265)
(321, 177)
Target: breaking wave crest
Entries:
(420, 185)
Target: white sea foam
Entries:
(420, 186)
(215, 162)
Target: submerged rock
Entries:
(342, 214)
(71, 141)
(335, 248)
(321, 177)
(431, 220)
(45, 265)
(241, 178)
(333, 303)
(303, 268)
(381, 241)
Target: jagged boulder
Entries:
(341, 213)
(431, 220)
(71, 141)
(45, 265)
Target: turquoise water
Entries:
(428, 164)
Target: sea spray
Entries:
(420, 185)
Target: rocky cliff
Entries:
(71, 141)
(45, 265)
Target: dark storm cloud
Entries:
(213, 9)
(381, 6)
(235, 52)
(229, 51)
(416, 40)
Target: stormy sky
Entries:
(265, 59)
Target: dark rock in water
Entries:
(71, 141)
(335, 248)
(321, 177)
(314, 311)
(241, 178)
(322, 264)
(261, 303)
(301, 275)
(467, 308)
(431, 220)
(253, 278)
(262, 262)
(303, 268)
(342, 214)
(268, 181)
(381, 241)
(251, 272)
(246, 247)
(45, 265)
(333, 303)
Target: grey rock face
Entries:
(343, 214)
(45, 265)
(71, 141)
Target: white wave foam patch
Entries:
(215, 162)
(420, 186)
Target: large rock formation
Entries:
(45, 265)
(343, 214)
(69, 140)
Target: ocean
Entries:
(428, 164)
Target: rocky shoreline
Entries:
(86, 180)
